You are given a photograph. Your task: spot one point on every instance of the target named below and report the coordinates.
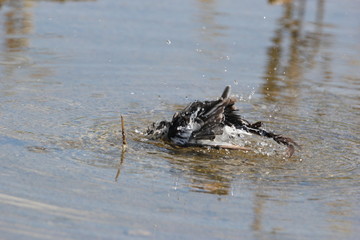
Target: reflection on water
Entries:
(211, 30)
(212, 33)
(204, 170)
(279, 1)
(293, 50)
(17, 31)
(18, 25)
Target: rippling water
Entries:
(69, 69)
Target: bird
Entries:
(215, 124)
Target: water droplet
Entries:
(251, 94)
(198, 50)
(264, 17)
(168, 42)
(236, 82)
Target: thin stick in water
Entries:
(123, 131)
(121, 163)
(123, 149)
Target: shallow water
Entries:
(69, 69)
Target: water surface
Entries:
(69, 69)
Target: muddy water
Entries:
(69, 69)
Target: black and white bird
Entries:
(213, 124)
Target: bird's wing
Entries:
(212, 119)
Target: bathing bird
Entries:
(215, 124)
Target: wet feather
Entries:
(214, 123)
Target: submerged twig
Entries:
(121, 163)
(123, 148)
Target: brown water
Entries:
(69, 69)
